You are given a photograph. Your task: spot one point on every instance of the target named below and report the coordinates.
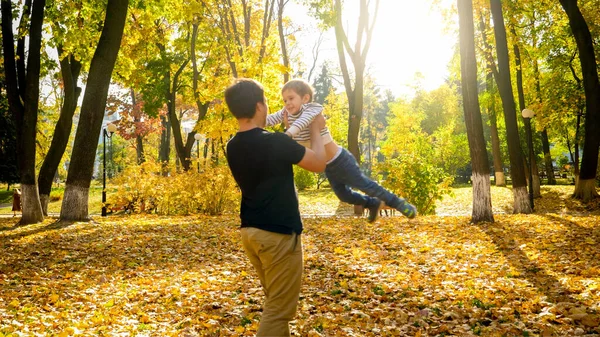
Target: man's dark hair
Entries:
(299, 86)
(242, 96)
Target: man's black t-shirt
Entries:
(261, 163)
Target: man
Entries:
(261, 163)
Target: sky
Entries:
(409, 37)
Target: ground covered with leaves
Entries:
(524, 275)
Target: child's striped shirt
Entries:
(299, 123)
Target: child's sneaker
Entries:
(374, 211)
(408, 210)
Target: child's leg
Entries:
(346, 169)
(345, 194)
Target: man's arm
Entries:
(314, 158)
(276, 118)
(311, 110)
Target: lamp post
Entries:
(527, 116)
(106, 132)
(198, 137)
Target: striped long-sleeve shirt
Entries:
(299, 123)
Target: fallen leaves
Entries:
(525, 275)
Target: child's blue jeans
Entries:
(343, 174)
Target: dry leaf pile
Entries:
(525, 275)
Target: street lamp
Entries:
(527, 116)
(198, 137)
(106, 132)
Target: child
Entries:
(342, 170)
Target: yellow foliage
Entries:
(143, 189)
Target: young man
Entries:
(261, 163)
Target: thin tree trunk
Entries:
(358, 57)
(284, 54)
(585, 188)
(482, 202)
(164, 152)
(75, 202)
(70, 68)
(499, 178)
(517, 171)
(521, 93)
(182, 151)
(139, 139)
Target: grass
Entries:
(6, 196)
(94, 202)
(323, 202)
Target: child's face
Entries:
(293, 101)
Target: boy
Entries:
(261, 163)
(342, 170)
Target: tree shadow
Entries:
(58, 224)
(506, 238)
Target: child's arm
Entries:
(276, 118)
(311, 110)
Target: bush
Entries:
(56, 196)
(304, 179)
(142, 189)
(419, 182)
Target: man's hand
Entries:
(318, 122)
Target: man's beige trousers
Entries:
(277, 259)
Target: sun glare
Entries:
(409, 38)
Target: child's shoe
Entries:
(407, 209)
(374, 211)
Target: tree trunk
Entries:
(70, 68)
(358, 56)
(544, 133)
(139, 140)
(182, 151)
(482, 202)
(517, 170)
(164, 152)
(521, 93)
(75, 202)
(585, 188)
(499, 178)
(284, 54)
(23, 99)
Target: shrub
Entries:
(304, 179)
(142, 189)
(417, 181)
(56, 196)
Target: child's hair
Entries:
(299, 86)
(242, 96)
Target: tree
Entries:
(75, 202)
(586, 184)
(70, 68)
(22, 89)
(519, 70)
(322, 85)
(358, 57)
(482, 204)
(491, 74)
(9, 171)
(517, 170)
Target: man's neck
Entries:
(247, 124)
